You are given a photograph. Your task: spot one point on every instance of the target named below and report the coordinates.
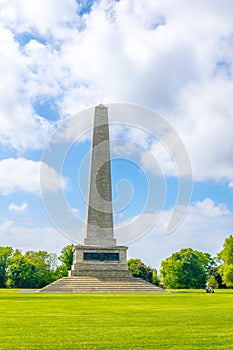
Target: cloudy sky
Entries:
(60, 57)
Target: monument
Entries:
(99, 255)
(99, 264)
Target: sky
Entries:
(165, 71)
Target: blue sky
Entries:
(61, 57)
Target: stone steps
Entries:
(86, 284)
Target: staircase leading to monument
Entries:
(88, 284)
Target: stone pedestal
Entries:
(100, 262)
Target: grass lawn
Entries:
(187, 320)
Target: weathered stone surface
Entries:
(99, 211)
(99, 230)
(104, 268)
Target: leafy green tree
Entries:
(139, 269)
(66, 259)
(226, 271)
(5, 254)
(31, 270)
(226, 256)
(212, 282)
(19, 271)
(155, 278)
(43, 267)
(187, 268)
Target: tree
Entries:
(5, 254)
(139, 269)
(226, 256)
(66, 259)
(19, 271)
(187, 268)
(155, 278)
(226, 271)
(43, 267)
(212, 282)
(31, 270)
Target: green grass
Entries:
(182, 320)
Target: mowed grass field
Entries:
(183, 320)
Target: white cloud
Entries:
(21, 127)
(209, 209)
(18, 208)
(158, 154)
(19, 175)
(45, 16)
(31, 238)
(207, 131)
(172, 68)
(149, 53)
(24, 175)
(51, 180)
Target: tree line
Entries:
(32, 269)
(187, 268)
(190, 268)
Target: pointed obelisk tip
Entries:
(101, 106)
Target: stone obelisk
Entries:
(99, 230)
(99, 255)
(99, 265)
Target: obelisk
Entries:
(99, 265)
(99, 256)
(99, 228)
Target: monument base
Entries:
(100, 261)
